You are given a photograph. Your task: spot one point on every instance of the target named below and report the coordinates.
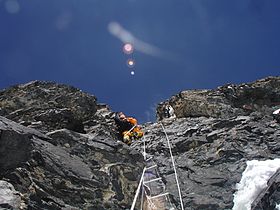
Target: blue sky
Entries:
(210, 43)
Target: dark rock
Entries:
(48, 106)
(210, 158)
(52, 176)
(61, 151)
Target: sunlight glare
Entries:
(130, 63)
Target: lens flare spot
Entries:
(12, 6)
(63, 21)
(128, 48)
(130, 63)
(132, 72)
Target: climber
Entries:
(169, 112)
(127, 128)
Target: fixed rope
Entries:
(144, 148)
(173, 163)
(138, 190)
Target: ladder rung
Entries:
(157, 196)
(153, 166)
(152, 180)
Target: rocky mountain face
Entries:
(58, 151)
(59, 148)
(227, 101)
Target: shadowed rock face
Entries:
(62, 152)
(211, 154)
(47, 106)
(59, 148)
(67, 170)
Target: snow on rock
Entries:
(254, 179)
(276, 111)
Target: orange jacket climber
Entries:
(128, 128)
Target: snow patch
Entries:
(276, 111)
(254, 180)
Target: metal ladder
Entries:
(146, 184)
(154, 190)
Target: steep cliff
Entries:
(215, 133)
(59, 148)
(62, 152)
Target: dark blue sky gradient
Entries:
(211, 42)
